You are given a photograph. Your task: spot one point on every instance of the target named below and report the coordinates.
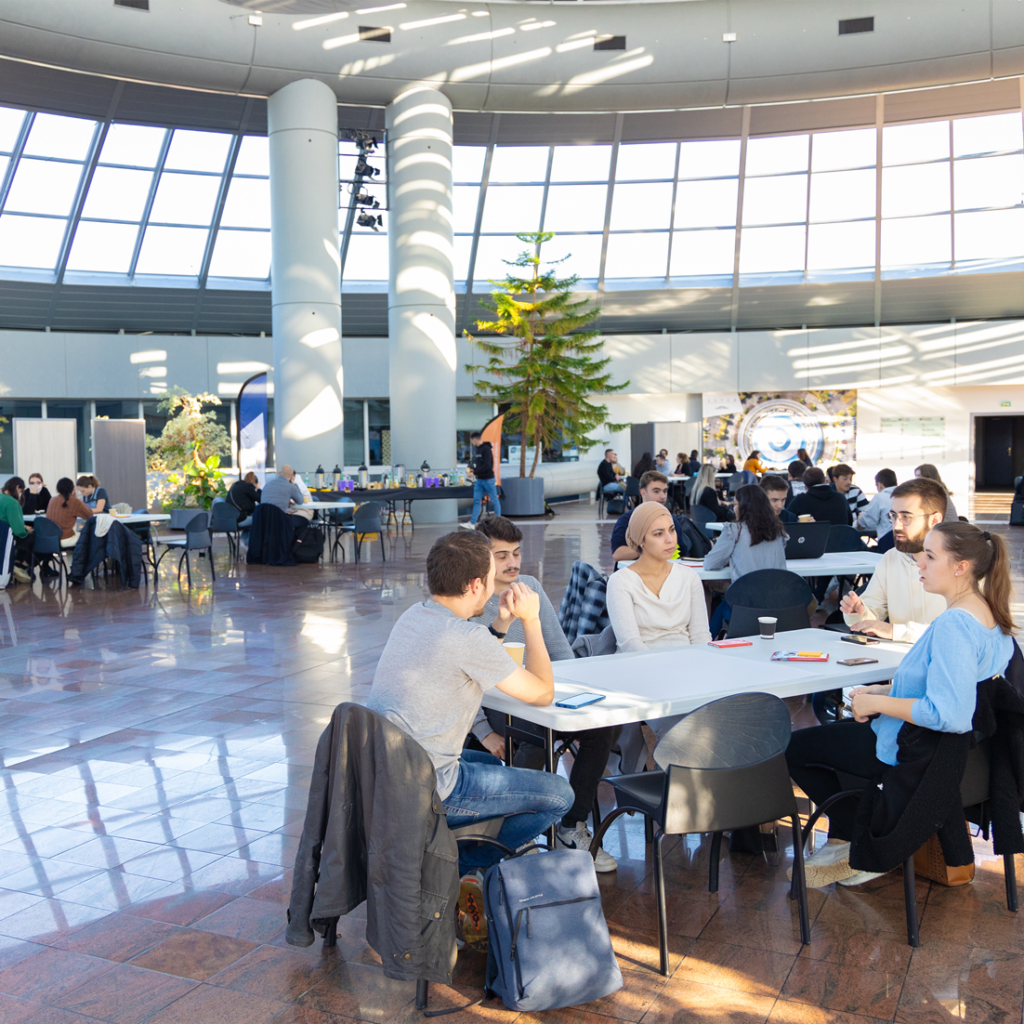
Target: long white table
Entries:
(838, 563)
(134, 517)
(326, 506)
(647, 686)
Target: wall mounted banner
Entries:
(779, 423)
(252, 428)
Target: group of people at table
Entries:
(942, 589)
(74, 500)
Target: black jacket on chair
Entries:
(120, 544)
(920, 795)
(375, 830)
(270, 537)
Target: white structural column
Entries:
(421, 290)
(305, 275)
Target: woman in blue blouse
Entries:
(934, 687)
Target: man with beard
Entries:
(430, 680)
(895, 591)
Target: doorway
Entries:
(998, 452)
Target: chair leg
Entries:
(648, 830)
(800, 882)
(331, 933)
(659, 884)
(213, 571)
(1010, 876)
(716, 854)
(422, 988)
(910, 899)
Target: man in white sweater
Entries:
(895, 592)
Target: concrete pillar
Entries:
(421, 290)
(305, 275)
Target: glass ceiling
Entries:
(89, 202)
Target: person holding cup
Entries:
(36, 496)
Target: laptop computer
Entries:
(806, 540)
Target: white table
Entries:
(838, 563)
(642, 687)
(326, 505)
(134, 517)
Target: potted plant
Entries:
(542, 366)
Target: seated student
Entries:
(282, 491)
(92, 494)
(661, 463)
(820, 501)
(693, 466)
(775, 490)
(655, 603)
(876, 515)
(11, 514)
(934, 687)
(705, 494)
(489, 728)
(65, 509)
(795, 475)
(35, 497)
(682, 464)
(728, 464)
(930, 472)
(842, 482)
(803, 457)
(245, 495)
(430, 680)
(753, 463)
(643, 465)
(653, 487)
(608, 476)
(894, 592)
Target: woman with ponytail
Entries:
(934, 687)
(65, 509)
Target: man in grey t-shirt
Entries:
(594, 744)
(431, 679)
(281, 490)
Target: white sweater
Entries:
(895, 593)
(643, 621)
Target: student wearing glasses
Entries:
(895, 592)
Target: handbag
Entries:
(929, 862)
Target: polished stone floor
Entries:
(156, 748)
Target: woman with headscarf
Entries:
(656, 603)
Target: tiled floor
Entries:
(156, 747)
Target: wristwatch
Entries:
(494, 632)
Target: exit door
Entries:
(998, 452)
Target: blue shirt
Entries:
(942, 671)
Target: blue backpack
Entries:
(548, 942)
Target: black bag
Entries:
(1017, 512)
(308, 545)
(699, 544)
(616, 506)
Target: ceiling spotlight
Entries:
(365, 199)
(367, 220)
(364, 170)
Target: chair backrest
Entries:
(122, 508)
(739, 479)
(367, 517)
(223, 516)
(46, 536)
(769, 588)
(632, 487)
(180, 517)
(341, 516)
(732, 732)
(197, 531)
(844, 538)
(743, 621)
(701, 516)
(594, 645)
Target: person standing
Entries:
(483, 479)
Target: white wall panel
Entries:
(641, 359)
(32, 365)
(990, 352)
(843, 358)
(772, 360)
(704, 362)
(101, 366)
(918, 354)
(232, 361)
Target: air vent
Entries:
(610, 43)
(854, 25)
(134, 5)
(374, 35)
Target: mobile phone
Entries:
(579, 700)
(860, 638)
(858, 661)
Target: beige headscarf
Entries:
(641, 521)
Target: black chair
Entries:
(197, 538)
(776, 592)
(633, 496)
(224, 519)
(723, 768)
(740, 479)
(367, 520)
(844, 538)
(701, 516)
(145, 532)
(45, 545)
(974, 789)
(339, 522)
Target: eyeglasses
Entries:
(904, 517)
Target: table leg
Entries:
(508, 740)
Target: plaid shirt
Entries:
(583, 608)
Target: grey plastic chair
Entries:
(777, 592)
(723, 768)
(844, 538)
(633, 495)
(46, 546)
(701, 516)
(340, 521)
(197, 538)
(367, 520)
(224, 519)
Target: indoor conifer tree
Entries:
(545, 362)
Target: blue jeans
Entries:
(531, 802)
(610, 490)
(480, 488)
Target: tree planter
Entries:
(524, 496)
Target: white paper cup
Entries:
(768, 624)
(515, 651)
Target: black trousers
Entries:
(814, 757)
(587, 768)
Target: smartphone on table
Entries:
(579, 700)
(860, 638)
(858, 661)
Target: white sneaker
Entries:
(20, 574)
(466, 526)
(581, 838)
(826, 855)
(861, 877)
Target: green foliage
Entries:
(192, 433)
(546, 361)
(199, 482)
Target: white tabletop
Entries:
(642, 687)
(838, 563)
(676, 477)
(326, 505)
(134, 517)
